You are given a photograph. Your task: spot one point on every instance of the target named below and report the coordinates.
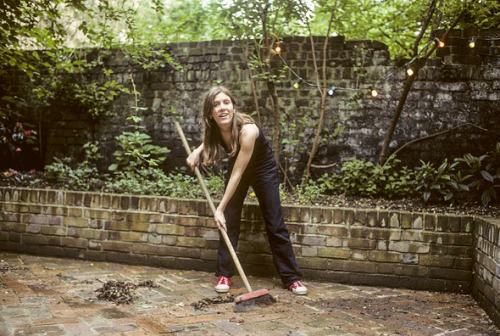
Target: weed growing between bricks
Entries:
(121, 292)
(206, 302)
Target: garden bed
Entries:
(38, 180)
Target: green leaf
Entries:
(487, 176)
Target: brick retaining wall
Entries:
(486, 266)
(361, 246)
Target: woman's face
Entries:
(222, 110)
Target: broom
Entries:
(247, 301)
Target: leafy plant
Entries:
(310, 192)
(483, 173)
(136, 151)
(356, 178)
(359, 178)
(153, 181)
(434, 183)
(66, 174)
(95, 99)
(15, 140)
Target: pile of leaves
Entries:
(6, 267)
(204, 303)
(121, 292)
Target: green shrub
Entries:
(136, 152)
(153, 181)
(356, 178)
(66, 174)
(310, 192)
(482, 174)
(359, 178)
(435, 183)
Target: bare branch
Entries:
(436, 135)
(331, 165)
(427, 20)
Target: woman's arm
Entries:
(193, 160)
(248, 135)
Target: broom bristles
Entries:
(259, 301)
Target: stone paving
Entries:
(51, 296)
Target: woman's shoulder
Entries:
(249, 131)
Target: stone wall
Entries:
(460, 87)
(370, 247)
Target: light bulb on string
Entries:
(410, 72)
(277, 49)
(297, 84)
(331, 91)
(439, 42)
(472, 43)
(373, 92)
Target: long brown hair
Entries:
(212, 139)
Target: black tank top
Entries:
(262, 159)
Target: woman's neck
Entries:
(226, 136)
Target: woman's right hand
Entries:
(193, 160)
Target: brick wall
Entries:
(486, 270)
(371, 247)
(460, 86)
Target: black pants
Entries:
(265, 183)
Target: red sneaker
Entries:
(223, 284)
(298, 288)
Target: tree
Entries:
(34, 42)
(263, 22)
(436, 15)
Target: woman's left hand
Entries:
(220, 220)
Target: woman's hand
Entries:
(193, 160)
(220, 219)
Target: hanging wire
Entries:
(372, 89)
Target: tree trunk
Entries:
(322, 91)
(419, 63)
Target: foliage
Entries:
(153, 181)
(136, 150)
(434, 183)
(15, 140)
(360, 178)
(14, 136)
(38, 40)
(66, 174)
(483, 174)
(396, 22)
(95, 99)
(310, 192)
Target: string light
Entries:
(297, 84)
(439, 42)
(374, 93)
(472, 43)
(277, 49)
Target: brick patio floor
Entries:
(58, 297)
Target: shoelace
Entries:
(223, 281)
(297, 284)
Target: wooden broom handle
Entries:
(212, 206)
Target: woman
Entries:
(252, 163)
